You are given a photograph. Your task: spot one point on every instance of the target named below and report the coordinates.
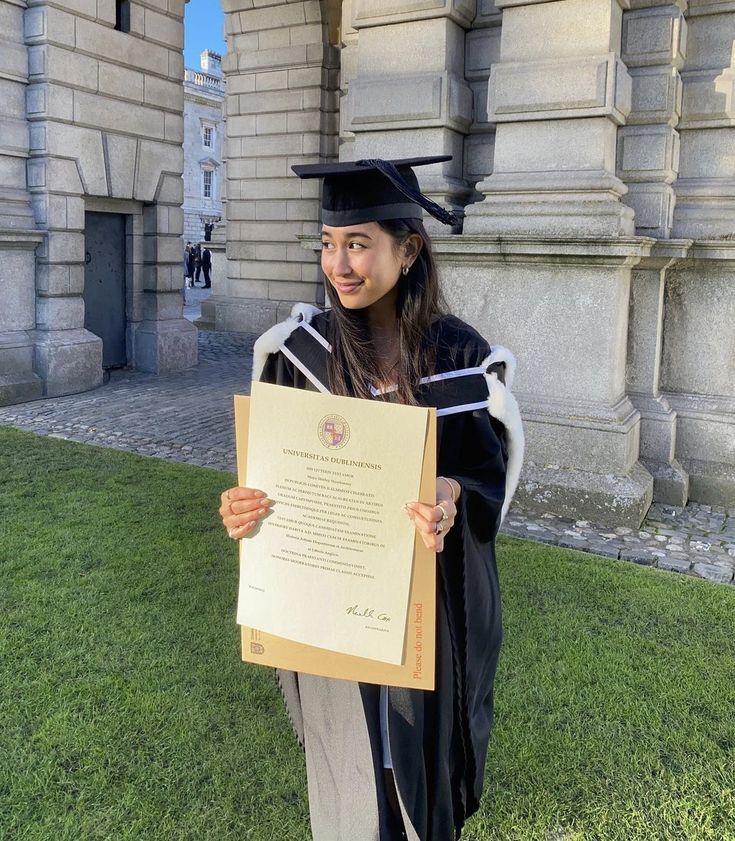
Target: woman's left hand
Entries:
(434, 521)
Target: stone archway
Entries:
(282, 71)
(343, 79)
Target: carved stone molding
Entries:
(411, 101)
(379, 12)
(587, 86)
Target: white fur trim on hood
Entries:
(271, 340)
(503, 407)
(502, 354)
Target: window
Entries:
(207, 183)
(122, 15)
(208, 138)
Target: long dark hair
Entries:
(352, 363)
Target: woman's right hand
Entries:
(242, 509)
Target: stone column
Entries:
(698, 367)
(347, 72)
(643, 369)
(557, 96)
(66, 161)
(410, 96)
(18, 236)
(654, 46)
(705, 191)
(282, 91)
(544, 264)
(482, 50)
(106, 128)
(562, 307)
(162, 340)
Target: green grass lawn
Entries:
(126, 714)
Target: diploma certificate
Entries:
(330, 566)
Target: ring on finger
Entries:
(227, 493)
(445, 516)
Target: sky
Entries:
(203, 29)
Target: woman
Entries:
(188, 266)
(385, 762)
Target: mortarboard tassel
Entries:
(446, 217)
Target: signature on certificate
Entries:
(367, 613)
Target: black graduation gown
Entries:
(438, 740)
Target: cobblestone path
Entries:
(185, 416)
(188, 416)
(698, 540)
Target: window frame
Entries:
(122, 15)
(211, 174)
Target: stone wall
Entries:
(18, 237)
(590, 147)
(698, 359)
(104, 126)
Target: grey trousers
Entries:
(344, 763)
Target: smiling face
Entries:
(363, 263)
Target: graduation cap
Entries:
(373, 190)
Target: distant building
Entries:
(204, 140)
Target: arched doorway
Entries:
(282, 79)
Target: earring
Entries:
(404, 270)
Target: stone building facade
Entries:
(204, 142)
(593, 168)
(90, 171)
